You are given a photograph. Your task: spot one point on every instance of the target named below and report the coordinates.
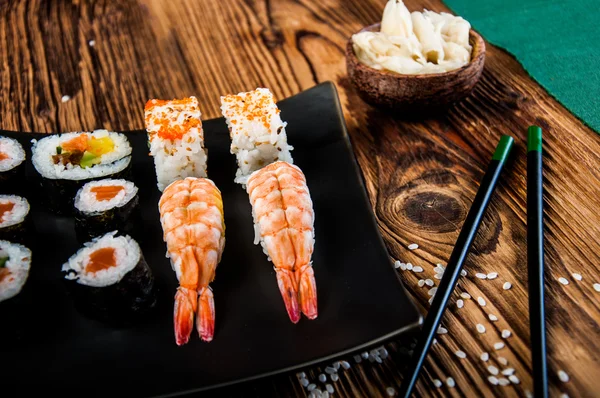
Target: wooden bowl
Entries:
(422, 92)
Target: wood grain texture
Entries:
(421, 174)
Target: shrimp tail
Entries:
(183, 314)
(205, 321)
(289, 292)
(307, 292)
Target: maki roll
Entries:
(256, 130)
(104, 205)
(110, 280)
(67, 161)
(176, 139)
(12, 164)
(14, 218)
(15, 261)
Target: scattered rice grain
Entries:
(329, 388)
(413, 246)
(564, 281)
(508, 371)
(503, 361)
(461, 354)
(421, 282)
(577, 276)
(65, 98)
(503, 381)
(480, 275)
(465, 295)
(304, 382)
(460, 303)
(329, 370)
(493, 370)
(499, 345)
(302, 375)
(506, 333)
(311, 387)
(480, 328)
(492, 275)
(346, 364)
(429, 282)
(438, 276)
(92, 43)
(484, 356)
(442, 330)
(391, 391)
(493, 317)
(506, 286)
(597, 287)
(481, 301)
(409, 266)
(438, 383)
(463, 272)
(528, 394)
(563, 376)
(365, 355)
(514, 379)
(432, 291)
(382, 351)
(312, 395)
(564, 395)
(397, 264)
(417, 269)
(336, 365)
(322, 378)
(450, 382)
(493, 380)
(335, 377)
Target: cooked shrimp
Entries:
(283, 216)
(191, 214)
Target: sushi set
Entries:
(135, 242)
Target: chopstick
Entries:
(535, 261)
(455, 263)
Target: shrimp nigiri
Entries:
(191, 214)
(283, 216)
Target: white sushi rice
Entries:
(19, 262)
(127, 255)
(85, 200)
(257, 133)
(14, 152)
(18, 212)
(110, 163)
(176, 159)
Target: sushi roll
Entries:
(67, 161)
(12, 164)
(110, 280)
(15, 221)
(176, 139)
(256, 130)
(104, 205)
(15, 262)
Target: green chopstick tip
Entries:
(534, 139)
(503, 148)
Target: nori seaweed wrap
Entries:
(105, 205)
(16, 224)
(110, 280)
(12, 166)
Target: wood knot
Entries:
(272, 38)
(435, 210)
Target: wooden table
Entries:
(73, 66)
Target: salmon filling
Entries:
(106, 192)
(3, 156)
(4, 272)
(5, 208)
(102, 259)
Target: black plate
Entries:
(361, 302)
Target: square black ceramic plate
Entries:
(361, 302)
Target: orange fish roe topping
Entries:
(79, 143)
(3, 156)
(253, 105)
(163, 117)
(103, 258)
(106, 192)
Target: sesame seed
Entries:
(417, 269)
(461, 354)
(480, 275)
(329, 388)
(506, 286)
(437, 383)
(460, 303)
(429, 282)
(421, 282)
(493, 380)
(481, 301)
(499, 345)
(563, 376)
(450, 382)
(508, 371)
(503, 361)
(492, 275)
(463, 272)
(335, 377)
(506, 333)
(409, 266)
(493, 370)
(503, 381)
(322, 378)
(465, 295)
(413, 246)
(432, 291)
(564, 281)
(597, 287)
(484, 356)
(397, 264)
(65, 98)
(442, 330)
(346, 364)
(391, 391)
(514, 379)
(577, 276)
(493, 317)
(480, 328)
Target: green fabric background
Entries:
(556, 41)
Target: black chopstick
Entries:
(455, 263)
(535, 261)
